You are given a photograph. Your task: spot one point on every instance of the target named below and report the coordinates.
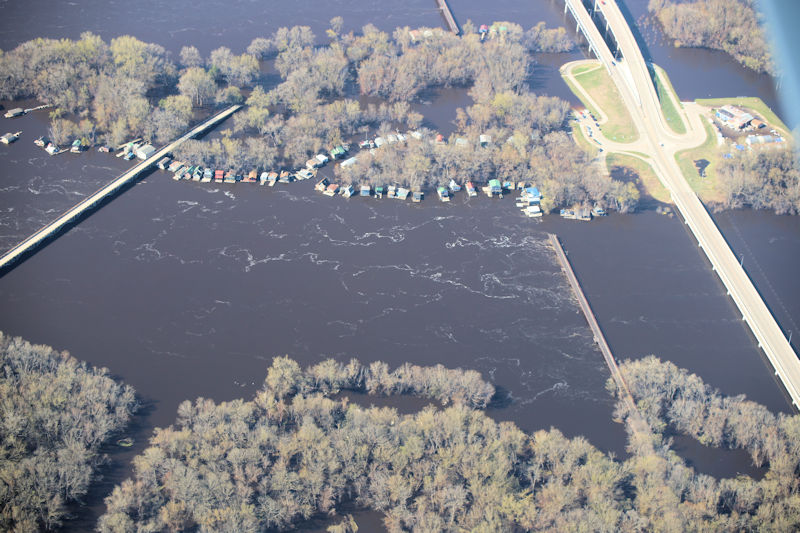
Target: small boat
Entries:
(52, 149)
(471, 189)
(126, 442)
(126, 157)
(106, 149)
(598, 211)
(41, 141)
(9, 138)
(444, 196)
(568, 214)
(454, 187)
(16, 112)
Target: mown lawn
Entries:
(706, 187)
(664, 89)
(645, 172)
(619, 126)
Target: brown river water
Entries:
(186, 289)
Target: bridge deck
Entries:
(108, 190)
(632, 77)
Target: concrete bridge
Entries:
(632, 77)
(54, 228)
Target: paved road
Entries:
(632, 78)
(32, 242)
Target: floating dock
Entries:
(448, 16)
(52, 229)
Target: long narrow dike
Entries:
(637, 422)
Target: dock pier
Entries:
(448, 16)
(637, 421)
(32, 243)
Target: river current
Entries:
(186, 289)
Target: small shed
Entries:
(485, 139)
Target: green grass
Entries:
(752, 103)
(637, 154)
(664, 89)
(706, 187)
(577, 92)
(645, 172)
(583, 68)
(619, 126)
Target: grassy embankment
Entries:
(751, 103)
(664, 89)
(646, 174)
(706, 187)
(598, 85)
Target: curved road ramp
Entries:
(632, 78)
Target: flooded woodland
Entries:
(186, 290)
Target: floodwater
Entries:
(185, 290)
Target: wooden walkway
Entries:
(448, 16)
(52, 229)
(635, 419)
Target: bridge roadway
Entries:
(633, 80)
(110, 189)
